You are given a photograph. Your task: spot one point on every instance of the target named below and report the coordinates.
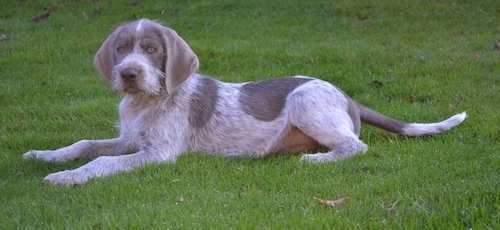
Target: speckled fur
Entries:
(168, 109)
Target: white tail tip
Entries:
(417, 129)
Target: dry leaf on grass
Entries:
(377, 83)
(331, 203)
(97, 226)
(496, 47)
(3, 37)
(390, 205)
(44, 14)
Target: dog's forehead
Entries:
(139, 26)
(139, 30)
(144, 27)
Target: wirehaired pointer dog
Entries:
(169, 109)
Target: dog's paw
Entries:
(68, 177)
(309, 158)
(29, 155)
(47, 155)
(318, 158)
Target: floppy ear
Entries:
(181, 60)
(103, 60)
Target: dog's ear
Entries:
(104, 60)
(181, 61)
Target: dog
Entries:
(168, 109)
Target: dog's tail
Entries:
(414, 129)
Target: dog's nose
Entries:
(128, 74)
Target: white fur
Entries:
(139, 26)
(416, 129)
(165, 114)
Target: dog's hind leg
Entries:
(339, 139)
(348, 147)
(328, 121)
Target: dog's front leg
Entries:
(105, 166)
(100, 167)
(82, 149)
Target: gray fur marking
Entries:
(353, 111)
(203, 102)
(264, 100)
(381, 121)
(167, 112)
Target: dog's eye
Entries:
(151, 49)
(120, 50)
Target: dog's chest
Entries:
(150, 119)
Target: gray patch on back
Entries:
(264, 100)
(203, 102)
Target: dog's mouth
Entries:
(135, 89)
(124, 87)
(131, 89)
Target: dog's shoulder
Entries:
(203, 99)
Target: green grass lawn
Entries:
(419, 61)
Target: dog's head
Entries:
(145, 57)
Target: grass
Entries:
(413, 60)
